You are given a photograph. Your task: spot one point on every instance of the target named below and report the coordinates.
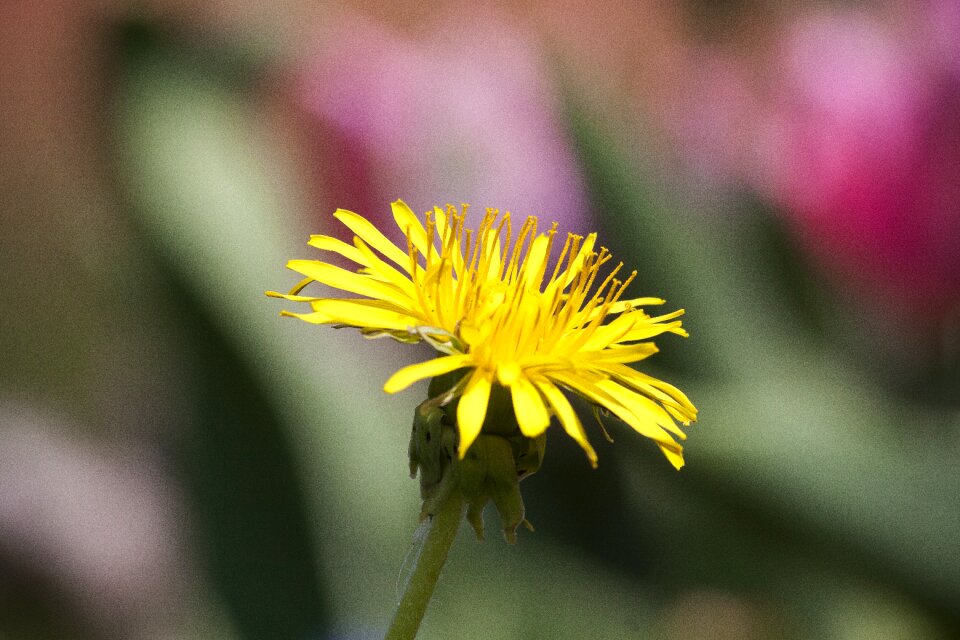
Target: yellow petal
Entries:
(358, 314)
(508, 374)
(594, 392)
(358, 283)
(372, 236)
(440, 220)
(472, 409)
(651, 327)
(567, 416)
(384, 271)
(661, 391)
(642, 407)
(532, 414)
(618, 354)
(608, 334)
(312, 318)
(622, 305)
(410, 225)
(327, 243)
(291, 297)
(429, 369)
(533, 263)
(674, 455)
(647, 331)
(489, 265)
(576, 266)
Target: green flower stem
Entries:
(428, 563)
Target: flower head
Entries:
(491, 304)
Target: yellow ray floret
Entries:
(490, 302)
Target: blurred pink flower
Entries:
(943, 23)
(101, 525)
(456, 115)
(851, 124)
(863, 149)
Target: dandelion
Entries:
(503, 316)
(515, 331)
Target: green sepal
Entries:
(492, 468)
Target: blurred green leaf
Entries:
(785, 423)
(247, 497)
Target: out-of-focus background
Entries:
(178, 462)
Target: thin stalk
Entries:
(428, 563)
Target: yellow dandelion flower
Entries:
(488, 301)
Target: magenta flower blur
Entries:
(852, 126)
(459, 116)
(865, 154)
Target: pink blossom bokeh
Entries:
(440, 118)
(851, 126)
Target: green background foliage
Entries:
(816, 501)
